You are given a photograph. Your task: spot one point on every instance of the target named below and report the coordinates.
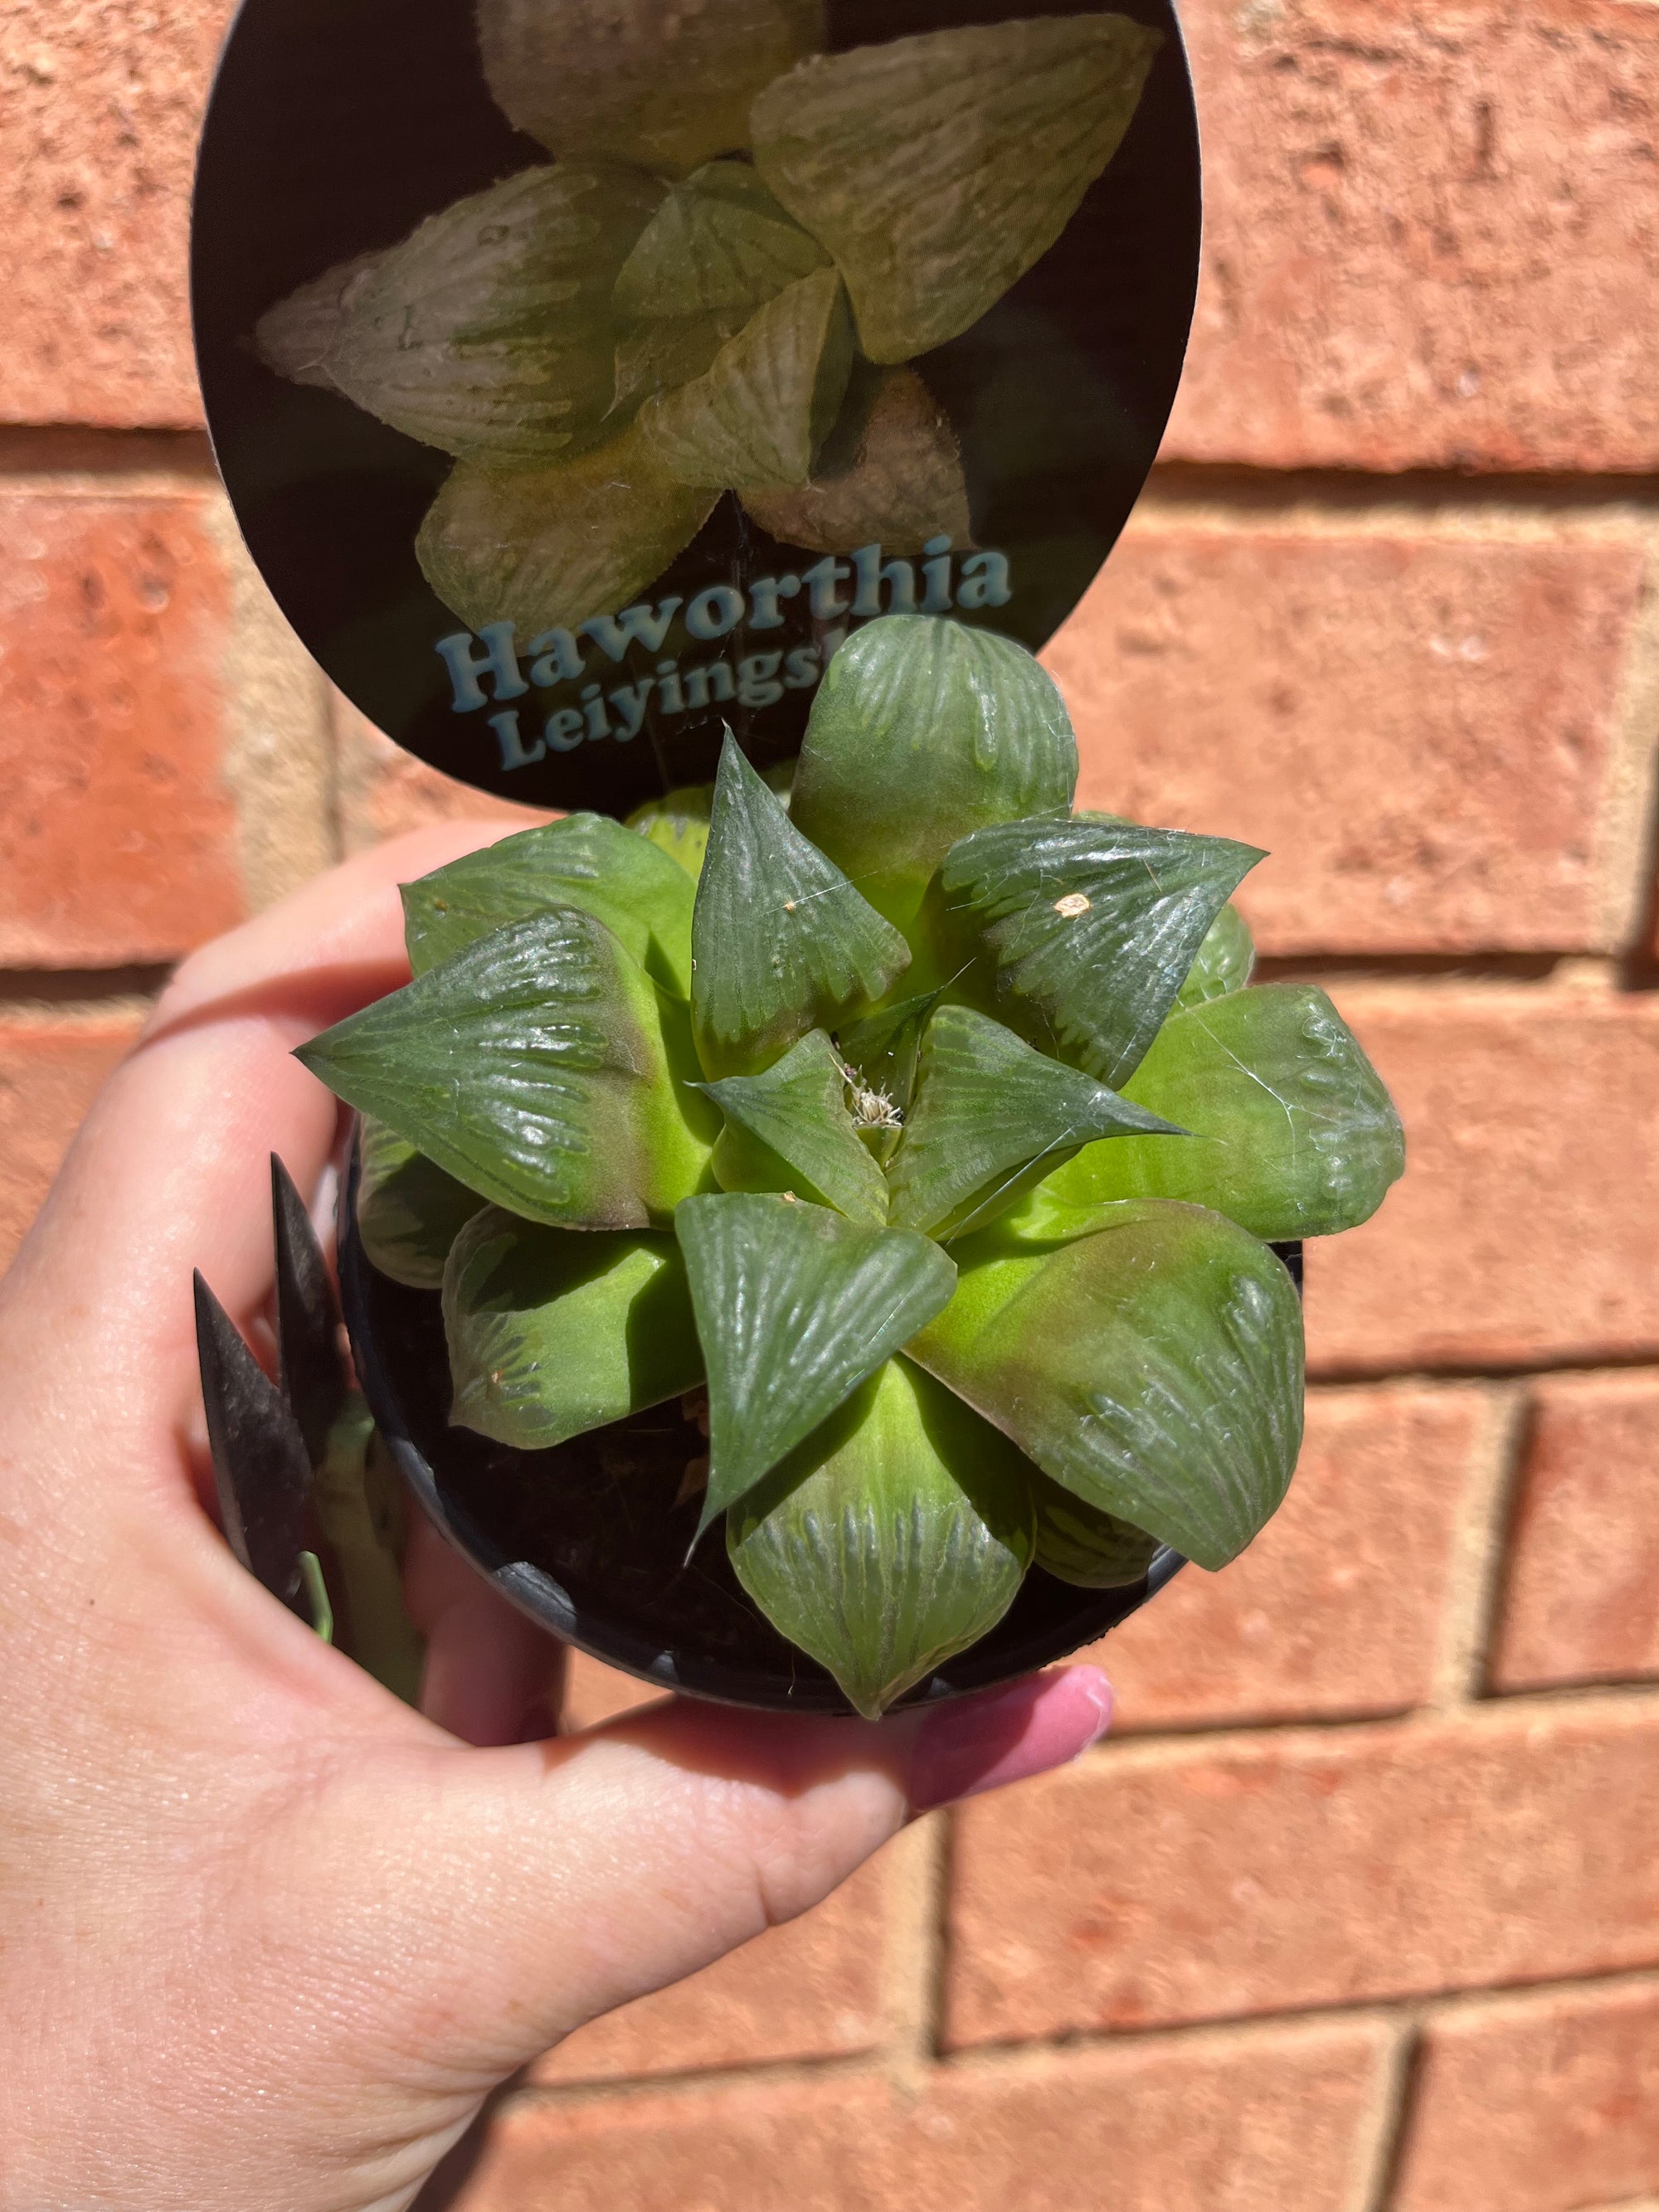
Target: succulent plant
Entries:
(930, 1128)
(714, 286)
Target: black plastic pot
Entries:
(586, 1540)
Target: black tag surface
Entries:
(582, 371)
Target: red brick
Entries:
(118, 840)
(1274, 2121)
(1335, 1608)
(1526, 1227)
(1583, 1601)
(1430, 235)
(1420, 731)
(100, 102)
(811, 1989)
(1175, 1882)
(384, 791)
(1536, 2103)
(50, 1069)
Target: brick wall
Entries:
(1360, 1913)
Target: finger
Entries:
(171, 1170)
(552, 1883)
(491, 1676)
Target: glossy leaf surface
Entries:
(987, 1108)
(1293, 1134)
(553, 1331)
(759, 412)
(788, 1128)
(782, 943)
(936, 169)
(1225, 961)
(890, 474)
(795, 1307)
(408, 1211)
(634, 81)
(1086, 929)
(719, 240)
(586, 861)
(896, 1535)
(1154, 1369)
(489, 332)
(542, 1067)
(922, 730)
(549, 547)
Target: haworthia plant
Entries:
(714, 285)
(972, 1263)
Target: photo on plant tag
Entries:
(584, 374)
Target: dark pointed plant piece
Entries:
(1293, 1134)
(988, 1109)
(921, 731)
(1225, 961)
(552, 1331)
(896, 1535)
(408, 1211)
(795, 1306)
(1155, 1368)
(1087, 928)
(314, 1372)
(261, 1470)
(781, 942)
(584, 860)
(543, 1068)
(789, 1128)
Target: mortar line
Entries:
(1383, 2156)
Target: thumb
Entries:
(560, 1880)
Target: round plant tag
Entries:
(584, 372)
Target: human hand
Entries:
(268, 1936)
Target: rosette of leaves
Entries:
(929, 1128)
(714, 285)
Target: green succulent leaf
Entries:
(781, 942)
(543, 1068)
(1293, 1134)
(987, 1109)
(294, 338)
(360, 1512)
(659, 356)
(757, 415)
(1154, 1369)
(586, 861)
(1088, 927)
(719, 240)
(553, 1331)
(1081, 1545)
(890, 474)
(922, 730)
(1225, 961)
(937, 169)
(549, 547)
(489, 332)
(883, 1048)
(795, 1306)
(633, 81)
(789, 1128)
(408, 1211)
(894, 1536)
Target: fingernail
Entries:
(1008, 1735)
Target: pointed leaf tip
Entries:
(781, 942)
(795, 1306)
